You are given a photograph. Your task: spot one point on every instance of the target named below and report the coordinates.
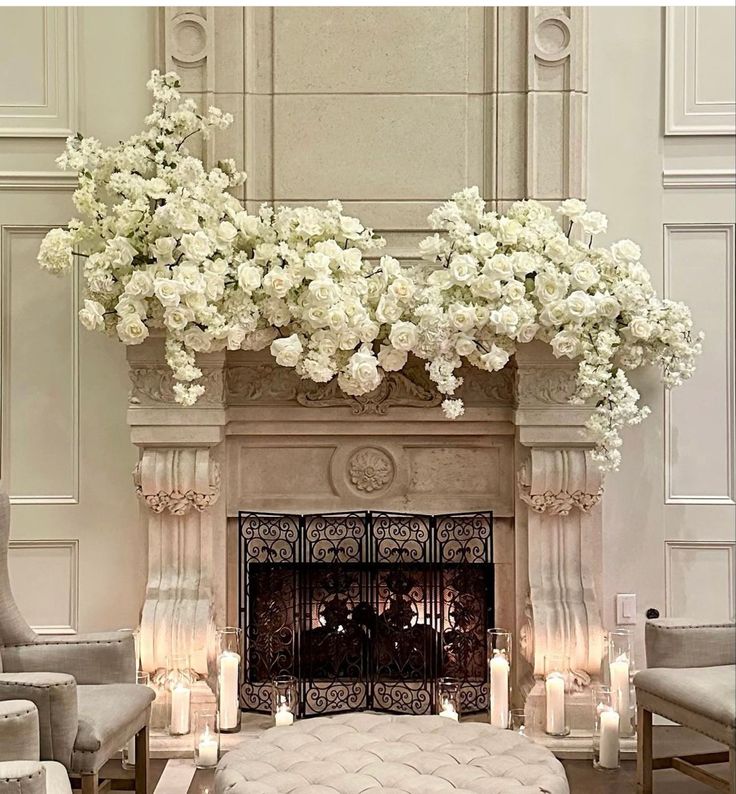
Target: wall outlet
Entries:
(625, 609)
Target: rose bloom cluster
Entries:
(166, 246)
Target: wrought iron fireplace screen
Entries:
(366, 609)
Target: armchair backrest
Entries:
(13, 626)
(676, 642)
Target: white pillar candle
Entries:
(284, 717)
(609, 741)
(555, 689)
(207, 749)
(229, 664)
(448, 711)
(619, 670)
(499, 690)
(180, 699)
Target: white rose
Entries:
(464, 345)
(584, 275)
(572, 208)
(235, 337)
(197, 339)
(484, 244)
(352, 228)
(131, 329)
(361, 374)
(162, 249)
(249, 277)
(626, 251)
(287, 351)
(168, 291)
(580, 304)
(554, 314)
(505, 319)
(317, 265)
(508, 230)
(226, 232)
(463, 268)
(594, 222)
(347, 339)
(608, 306)
(323, 291)
(514, 291)
(119, 252)
(92, 316)
(402, 289)
(388, 310)
(440, 278)
(565, 343)
(196, 247)
(336, 317)
(485, 287)
(140, 284)
(461, 317)
(403, 336)
(277, 281)
(496, 358)
(499, 267)
(641, 328)
(178, 317)
(549, 288)
(391, 359)
(558, 249)
(368, 331)
(527, 332)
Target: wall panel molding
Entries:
(53, 555)
(699, 179)
(728, 497)
(46, 181)
(699, 588)
(56, 115)
(686, 111)
(71, 495)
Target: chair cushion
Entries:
(57, 779)
(109, 715)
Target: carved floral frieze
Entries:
(546, 385)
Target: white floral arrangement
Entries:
(167, 246)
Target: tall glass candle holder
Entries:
(228, 678)
(206, 739)
(499, 676)
(606, 742)
(448, 698)
(284, 702)
(179, 692)
(620, 668)
(556, 684)
(128, 752)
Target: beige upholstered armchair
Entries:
(21, 772)
(83, 687)
(691, 680)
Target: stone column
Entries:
(559, 530)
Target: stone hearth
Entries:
(261, 439)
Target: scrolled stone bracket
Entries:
(552, 489)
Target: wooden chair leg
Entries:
(644, 751)
(142, 773)
(90, 784)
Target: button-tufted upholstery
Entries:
(381, 754)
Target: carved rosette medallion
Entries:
(370, 470)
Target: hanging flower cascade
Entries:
(165, 245)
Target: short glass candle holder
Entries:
(556, 684)
(606, 741)
(499, 676)
(179, 694)
(229, 654)
(206, 739)
(128, 752)
(517, 721)
(448, 698)
(284, 703)
(620, 670)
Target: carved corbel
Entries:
(556, 481)
(177, 480)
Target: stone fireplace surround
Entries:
(261, 439)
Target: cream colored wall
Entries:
(78, 559)
(669, 512)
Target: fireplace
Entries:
(367, 609)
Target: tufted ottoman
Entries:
(381, 754)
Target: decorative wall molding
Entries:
(7, 235)
(71, 626)
(56, 117)
(699, 179)
(699, 588)
(685, 112)
(671, 230)
(46, 181)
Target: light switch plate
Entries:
(625, 609)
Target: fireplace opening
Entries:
(366, 609)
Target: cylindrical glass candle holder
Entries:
(228, 678)
(606, 742)
(517, 721)
(499, 676)
(448, 698)
(556, 684)
(284, 703)
(179, 694)
(128, 752)
(206, 739)
(620, 668)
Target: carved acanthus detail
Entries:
(176, 480)
(546, 385)
(554, 492)
(156, 384)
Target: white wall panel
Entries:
(700, 580)
(44, 576)
(699, 88)
(699, 417)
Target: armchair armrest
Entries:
(22, 777)
(107, 658)
(19, 739)
(674, 642)
(55, 697)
